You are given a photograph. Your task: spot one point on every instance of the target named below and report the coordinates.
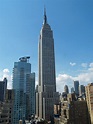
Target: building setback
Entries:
(24, 87)
(46, 96)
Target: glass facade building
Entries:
(24, 87)
(76, 87)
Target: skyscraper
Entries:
(76, 87)
(66, 90)
(47, 95)
(72, 89)
(24, 89)
(3, 87)
(81, 90)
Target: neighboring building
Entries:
(57, 113)
(89, 99)
(47, 95)
(6, 108)
(66, 90)
(35, 121)
(81, 90)
(76, 87)
(36, 88)
(30, 95)
(20, 122)
(24, 87)
(57, 110)
(72, 89)
(73, 112)
(64, 96)
(3, 87)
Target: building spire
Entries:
(45, 17)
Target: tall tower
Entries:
(3, 87)
(24, 89)
(47, 95)
(81, 90)
(66, 90)
(76, 87)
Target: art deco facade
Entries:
(47, 95)
(24, 87)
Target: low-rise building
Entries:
(73, 111)
(89, 99)
(57, 112)
(6, 108)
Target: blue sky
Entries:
(72, 25)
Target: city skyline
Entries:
(71, 22)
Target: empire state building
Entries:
(46, 96)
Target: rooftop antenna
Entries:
(45, 17)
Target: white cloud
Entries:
(84, 65)
(90, 69)
(36, 82)
(83, 78)
(6, 70)
(91, 65)
(62, 80)
(72, 64)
